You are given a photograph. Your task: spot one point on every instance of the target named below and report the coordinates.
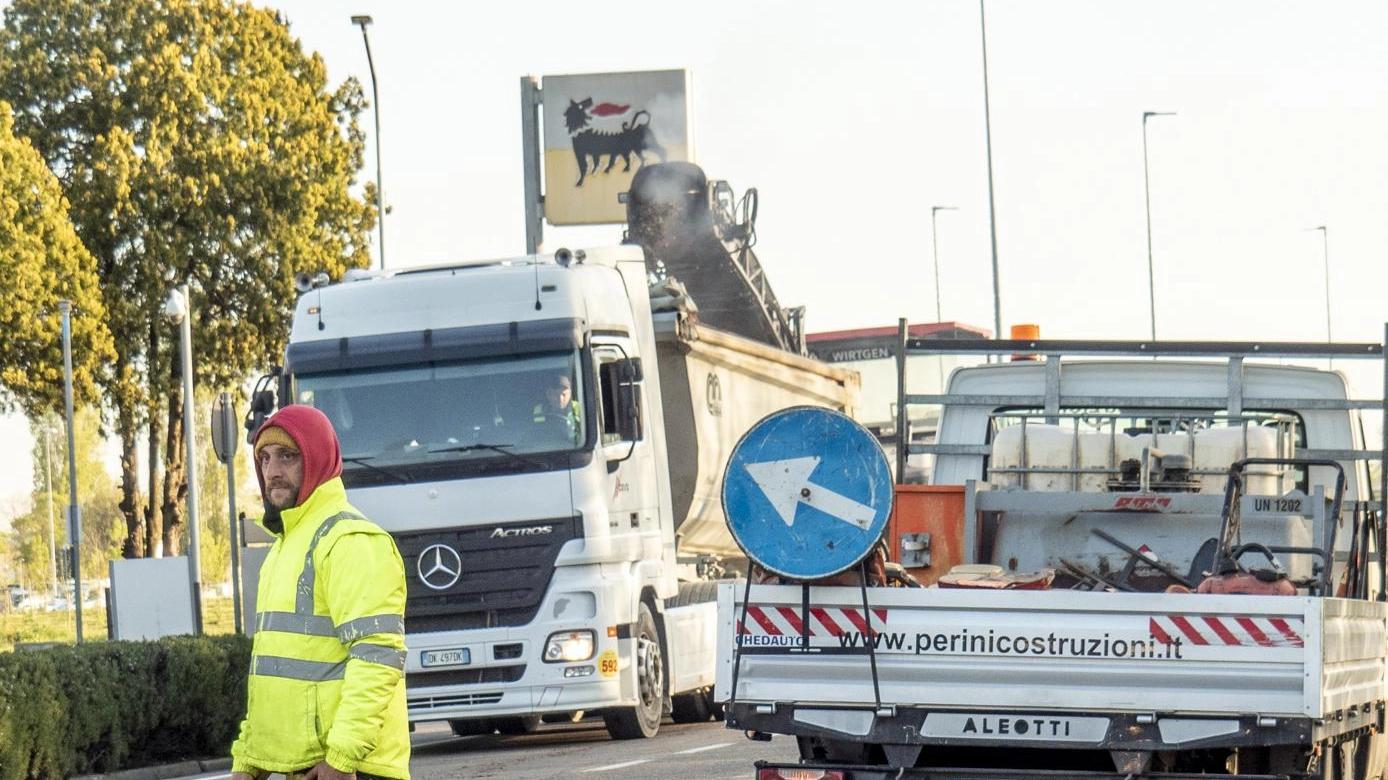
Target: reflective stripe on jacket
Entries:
(327, 664)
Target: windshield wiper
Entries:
(498, 448)
(361, 460)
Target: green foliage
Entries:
(198, 142)
(42, 262)
(105, 706)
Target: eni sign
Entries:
(599, 129)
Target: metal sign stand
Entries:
(829, 490)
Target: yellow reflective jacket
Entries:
(571, 418)
(327, 663)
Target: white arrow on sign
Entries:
(786, 484)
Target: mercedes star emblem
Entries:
(439, 567)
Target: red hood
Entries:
(311, 430)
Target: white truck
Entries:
(1128, 510)
(550, 574)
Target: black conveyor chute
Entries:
(696, 234)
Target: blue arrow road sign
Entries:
(807, 492)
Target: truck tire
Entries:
(643, 720)
(692, 707)
(519, 724)
(471, 727)
(837, 751)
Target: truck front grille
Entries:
(492, 675)
(453, 700)
(502, 573)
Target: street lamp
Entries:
(178, 309)
(935, 254)
(1325, 256)
(988, 145)
(74, 528)
(362, 21)
(1147, 192)
(48, 489)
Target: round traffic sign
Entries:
(807, 492)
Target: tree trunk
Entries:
(175, 494)
(135, 537)
(154, 533)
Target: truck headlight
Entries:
(569, 646)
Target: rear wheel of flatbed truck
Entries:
(519, 724)
(643, 720)
(695, 707)
(472, 727)
(838, 751)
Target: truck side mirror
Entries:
(628, 370)
(622, 398)
(629, 412)
(263, 403)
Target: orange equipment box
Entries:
(936, 510)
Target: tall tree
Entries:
(43, 262)
(198, 144)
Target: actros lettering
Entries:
(511, 533)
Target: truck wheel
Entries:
(471, 727)
(691, 707)
(521, 724)
(834, 751)
(643, 720)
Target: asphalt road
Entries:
(705, 751)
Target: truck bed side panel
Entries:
(1083, 651)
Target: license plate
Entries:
(457, 656)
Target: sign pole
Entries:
(224, 444)
(530, 164)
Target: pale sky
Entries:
(853, 119)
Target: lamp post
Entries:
(935, 255)
(74, 529)
(988, 145)
(362, 21)
(48, 490)
(178, 309)
(1325, 257)
(1147, 193)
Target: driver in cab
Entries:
(559, 412)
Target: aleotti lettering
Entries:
(1035, 727)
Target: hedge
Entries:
(105, 706)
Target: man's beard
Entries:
(273, 519)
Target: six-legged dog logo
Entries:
(590, 144)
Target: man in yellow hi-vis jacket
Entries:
(326, 693)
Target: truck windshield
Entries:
(396, 422)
